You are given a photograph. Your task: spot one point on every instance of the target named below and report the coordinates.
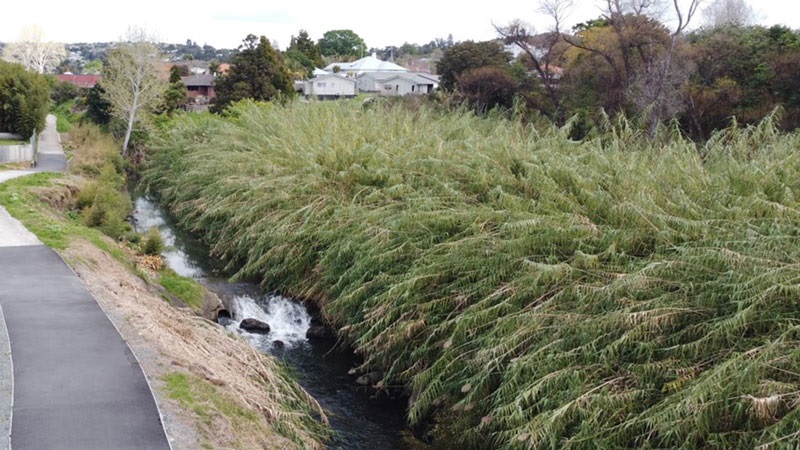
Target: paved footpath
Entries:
(76, 384)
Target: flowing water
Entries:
(361, 420)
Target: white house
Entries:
(409, 83)
(330, 86)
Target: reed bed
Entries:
(528, 290)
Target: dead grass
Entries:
(227, 373)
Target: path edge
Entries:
(135, 356)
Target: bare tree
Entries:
(543, 49)
(33, 52)
(641, 59)
(131, 79)
(724, 12)
(662, 90)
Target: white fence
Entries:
(17, 153)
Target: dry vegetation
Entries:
(239, 398)
(531, 291)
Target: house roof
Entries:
(333, 75)
(81, 81)
(367, 64)
(198, 80)
(413, 77)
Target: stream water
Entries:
(359, 420)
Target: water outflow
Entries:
(288, 321)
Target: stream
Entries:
(359, 421)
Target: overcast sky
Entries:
(224, 23)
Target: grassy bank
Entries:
(531, 291)
(233, 396)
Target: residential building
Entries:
(330, 86)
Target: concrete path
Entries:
(51, 153)
(76, 384)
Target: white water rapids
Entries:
(288, 320)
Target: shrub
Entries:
(153, 243)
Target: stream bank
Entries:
(361, 418)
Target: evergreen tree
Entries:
(257, 72)
(303, 54)
(98, 108)
(175, 95)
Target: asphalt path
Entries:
(76, 384)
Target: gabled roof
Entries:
(198, 80)
(327, 76)
(81, 81)
(367, 64)
(413, 77)
(318, 72)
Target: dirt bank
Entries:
(237, 396)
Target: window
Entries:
(321, 84)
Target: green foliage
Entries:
(18, 197)
(65, 116)
(98, 108)
(24, 99)
(62, 91)
(102, 202)
(257, 72)
(153, 243)
(342, 43)
(304, 52)
(743, 72)
(540, 292)
(175, 96)
(466, 56)
(94, 66)
(186, 289)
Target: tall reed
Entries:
(529, 290)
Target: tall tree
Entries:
(131, 81)
(342, 43)
(24, 99)
(729, 12)
(640, 51)
(257, 72)
(175, 96)
(466, 56)
(33, 52)
(303, 55)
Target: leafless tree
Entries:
(723, 12)
(131, 79)
(33, 52)
(642, 59)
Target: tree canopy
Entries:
(24, 99)
(303, 55)
(342, 43)
(32, 51)
(466, 56)
(257, 72)
(131, 81)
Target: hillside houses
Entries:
(368, 74)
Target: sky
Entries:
(225, 23)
